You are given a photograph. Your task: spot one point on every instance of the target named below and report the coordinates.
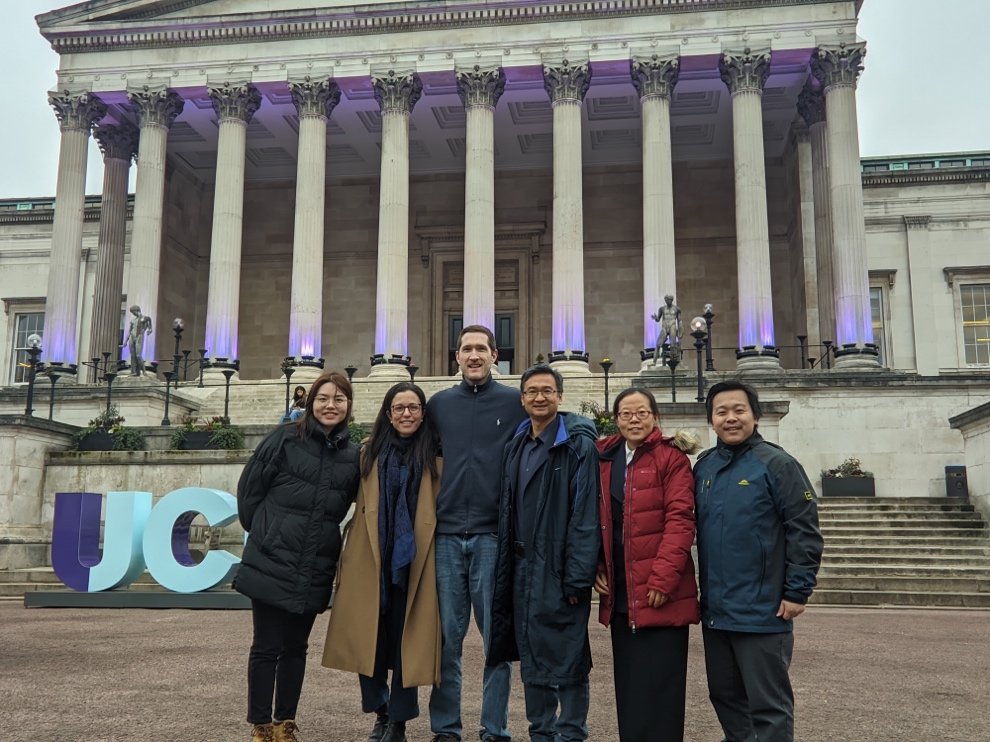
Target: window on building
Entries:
(877, 313)
(25, 325)
(975, 304)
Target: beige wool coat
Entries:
(352, 633)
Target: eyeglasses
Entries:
(627, 415)
(400, 409)
(534, 393)
(340, 401)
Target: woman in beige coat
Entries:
(385, 614)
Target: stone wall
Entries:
(974, 425)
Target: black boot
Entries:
(381, 726)
(396, 732)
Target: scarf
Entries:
(398, 493)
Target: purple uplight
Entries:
(60, 344)
(301, 344)
(220, 338)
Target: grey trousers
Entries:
(749, 686)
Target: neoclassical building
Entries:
(358, 180)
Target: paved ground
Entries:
(859, 674)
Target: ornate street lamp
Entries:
(350, 371)
(169, 376)
(802, 340)
(34, 352)
(177, 327)
(412, 372)
(709, 316)
(673, 360)
(698, 327)
(288, 368)
(606, 364)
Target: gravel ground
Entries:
(86, 675)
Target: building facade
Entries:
(349, 181)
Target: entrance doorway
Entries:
(505, 341)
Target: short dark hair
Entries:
(542, 368)
(733, 385)
(651, 401)
(479, 329)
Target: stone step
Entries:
(829, 502)
(840, 517)
(935, 531)
(882, 539)
(970, 572)
(45, 576)
(904, 583)
(834, 547)
(960, 506)
(919, 560)
(900, 598)
(898, 521)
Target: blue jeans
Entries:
(465, 580)
(542, 702)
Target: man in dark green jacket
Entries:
(548, 543)
(759, 549)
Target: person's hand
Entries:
(573, 600)
(656, 598)
(601, 584)
(789, 611)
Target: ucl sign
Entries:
(139, 536)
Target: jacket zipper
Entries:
(626, 522)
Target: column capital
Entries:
(480, 87)
(239, 102)
(314, 97)
(745, 71)
(838, 66)
(917, 222)
(655, 75)
(397, 91)
(811, 104)
(566, 81)
(79, 111)
(117, 142)
(156, 106)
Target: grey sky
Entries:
(921, 92)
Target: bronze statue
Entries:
(669, 317)
(140, 325)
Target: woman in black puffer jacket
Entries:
(291, 498)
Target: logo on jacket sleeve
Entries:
(808, 495)
(744, 482)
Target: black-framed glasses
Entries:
(627, 415)
(547, 392)
(400, 409)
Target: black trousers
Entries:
(749, 686)
(400, 704)
(650, 673)
(277, 663)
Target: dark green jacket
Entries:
(758, 536)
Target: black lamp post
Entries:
(828, 353)
(412, 371)
(288, 368)
(673, 360)
(202, 364)
(350, 371)
(228, 369)
(108, 377)
(709, 317)
(169, 375)
(34, 352)
(177, 327)
(606, 364)
(802, 340)
(698, 333)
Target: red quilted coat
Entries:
(658, 531)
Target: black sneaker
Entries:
(378, 731)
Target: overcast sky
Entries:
(923, 90)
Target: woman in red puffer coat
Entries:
(646, 576)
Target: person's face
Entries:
(406, 413)
(475, 358)
(635, 420)
(299, 393)
(732, 417)
(540, 398)
(330, 406)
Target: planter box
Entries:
(848, 487)
(198, 440)
(98, 440)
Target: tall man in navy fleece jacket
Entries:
(475, 420)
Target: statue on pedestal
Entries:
(137, 329)
(669, 317)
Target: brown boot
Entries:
(263, 733)
(285, 731)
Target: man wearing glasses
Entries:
(475, 419)
(547, 558)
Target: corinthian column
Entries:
(745, 74)
(119, 145)
(811, 106)
(655, 78)
(837, 69)
(235, 105)
(567, 85)
(396, 95)
(156, 110)
(480, 90)
(77, 113)
(314, 101)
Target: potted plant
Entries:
(601, 417)
(107, 432)
(213, 434)
(848, 479)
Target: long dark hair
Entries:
(424, 441)
(328, 377)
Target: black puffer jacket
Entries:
(291, 497)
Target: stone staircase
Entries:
(918, 551)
